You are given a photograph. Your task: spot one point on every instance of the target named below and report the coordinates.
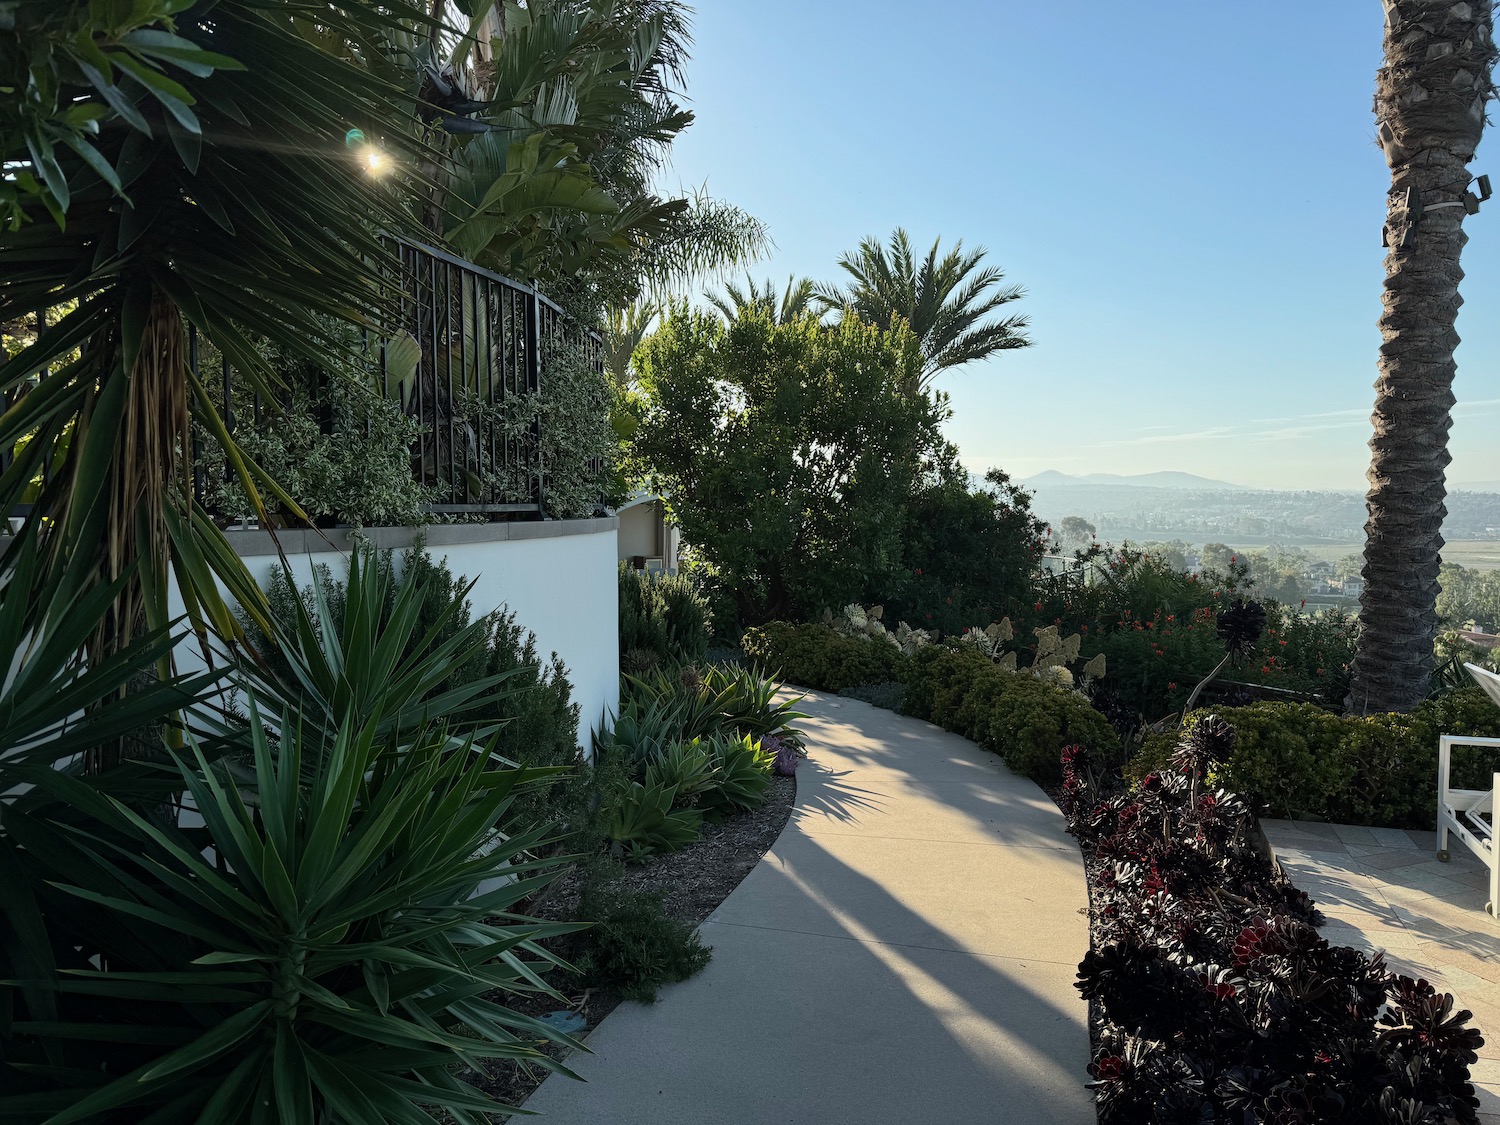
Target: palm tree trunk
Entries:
(147, 473)
(1429, 102)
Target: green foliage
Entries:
(402, 641)
(685, 767)
(641, 818)
(579, 449)
(634, 947)
(582, 108)
(788, 452)
(818, 656)
(64, 69)
(324, 944)
(690, 743)
(320, 948)
(248, 217)
(358, 472)
(663, 618)
(1468, 595)
(1020, 717)
(741, 774)
(969, 553)
(690, 702)
(1381, 769)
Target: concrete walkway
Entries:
(904, 954)
(1383, 888)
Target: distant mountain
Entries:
(1051, 478)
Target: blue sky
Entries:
(1189, 192)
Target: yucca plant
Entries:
(190, 168)
(56, 708)
(325, 948)
(375, 655)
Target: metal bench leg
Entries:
(1444, 751)
(1493, 906)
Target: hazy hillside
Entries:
(1122, 508)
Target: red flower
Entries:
(918, 572)
(1039, 607)
(1171, 687)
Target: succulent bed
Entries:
(1212, 997)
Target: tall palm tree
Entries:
(795, 301)
(1429, 101)
(946, 301)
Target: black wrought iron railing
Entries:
(467, 360)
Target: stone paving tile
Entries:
(1354, 834)
(1391, 837)
(1320, 828)
(1425, 841)
(1383, 859)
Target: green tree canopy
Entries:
(789, 451)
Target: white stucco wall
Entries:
(557, 576)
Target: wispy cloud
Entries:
(1287, 428)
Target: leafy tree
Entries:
(788, 451)
(945, 302)
(1469, 595)
(969, 554)
(1429, 102)
(1075, 533)
(794, 303)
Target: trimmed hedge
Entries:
(820, 657)
(1296, 759)
(1023, 719)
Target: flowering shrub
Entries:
(857, 621)
(1215, 997)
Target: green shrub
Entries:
(345, 900)
(818, 656)
(663, 619)
(1023, 719)
(634, 947)
(421, 608)
(1300, 760)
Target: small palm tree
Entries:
(795, 302)
(945, 301)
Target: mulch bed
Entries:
(694, 882)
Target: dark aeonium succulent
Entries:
(1240, 626)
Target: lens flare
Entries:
(354, 137)
(375, 161)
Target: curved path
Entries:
(904, 954)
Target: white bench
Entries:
(1469, 814)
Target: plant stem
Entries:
(1203, 683)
